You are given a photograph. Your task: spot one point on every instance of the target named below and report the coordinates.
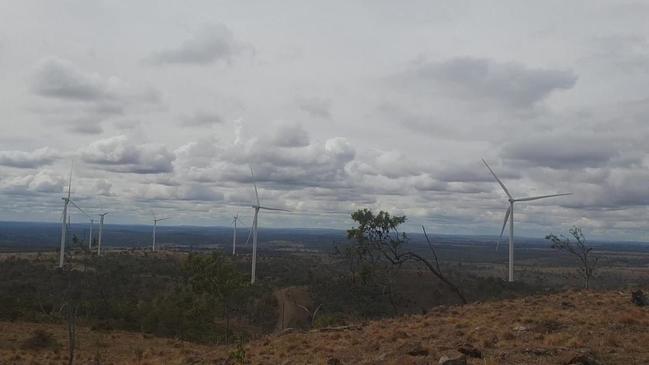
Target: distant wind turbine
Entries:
(257, 207)
(509, 215)
(155, 225)
(234, 235)
(64, 228)
(92, 223)
(101, 231)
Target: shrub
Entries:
(39, 340)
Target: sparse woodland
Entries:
(206, 298)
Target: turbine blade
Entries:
(255, 185)
(509, 210)
(540, 197)
(70, 181)
(279, 209)
(497, 179)
(81, 210)
(251, 227)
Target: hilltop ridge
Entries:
(589, 326)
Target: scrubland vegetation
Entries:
(201, 299)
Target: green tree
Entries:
(577, 247)
(377, 241)
(217, 278)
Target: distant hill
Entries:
(46, 235)
(28, 235)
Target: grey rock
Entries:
(455, 360)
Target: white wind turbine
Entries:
(66, 201)
(257, 207)
(155, 225)
(101, 231)
(92, 223)
(234, 235)
(509, 215)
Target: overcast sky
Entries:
(337, 105)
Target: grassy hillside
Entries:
(551, 329)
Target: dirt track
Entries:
(290, 314)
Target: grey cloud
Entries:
(625, 52)
(211, 44)
(563, 151)
(102, 187)
(290, 135)
(199, 192)
(189, 192)
(621, 188)
(314, 164)
(391, 164)
(202, 118)
(479, 79)
(164, 179)
(58, 78)
(36, 158)
(340, 148)
(420, 122)
(120, 154)
(44, 181)
(86, 127)
(127, 124)
(85, 98)
(316, 107)
(472, 173)
(427, 183)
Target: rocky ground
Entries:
(576, 327)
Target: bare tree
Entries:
(311, 314)
(71, 319)
(378, 239)
(577, 247)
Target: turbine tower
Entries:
(101, 231)
(234, 235)
(509, 215)
(257, 207)
(155, 224)
(92, 223)
(66, 201)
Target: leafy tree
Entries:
(377, 241)
(217, 278)
(577, 247)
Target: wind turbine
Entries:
(257, 207)
(66, 201)
(155, 224)
(234, 235)
(509, 214)
(101, 231)
(92, 223)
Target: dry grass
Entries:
(536, 330)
